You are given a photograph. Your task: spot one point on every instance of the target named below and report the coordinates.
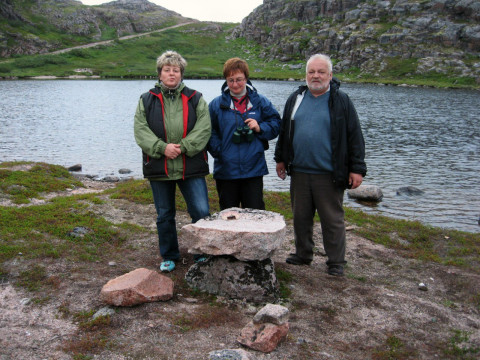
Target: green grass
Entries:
(411, 238)
(20, 186)
(45, 231)
(284, 279)
(121, 59)
(416, 240)
(395, 349)
(458, 346)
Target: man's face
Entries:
(318, 76)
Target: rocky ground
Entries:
(376, 311)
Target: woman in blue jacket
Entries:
(243, 121)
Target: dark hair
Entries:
(233, 65)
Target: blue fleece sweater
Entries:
(311, 141)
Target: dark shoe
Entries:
(335, 270)
(294, 259)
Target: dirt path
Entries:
(106, 42)
(376, 311)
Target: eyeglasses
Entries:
(237, 80)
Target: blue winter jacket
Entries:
(245, 159)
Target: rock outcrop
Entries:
(70, 17)
(432, 36)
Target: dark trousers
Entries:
(310, 193)
(244, 193)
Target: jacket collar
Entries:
(227, 98)
(160, 88)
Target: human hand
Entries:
(172, 151)
(354, 180)
(253, 124)
(281, 170)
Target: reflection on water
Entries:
(427, 138)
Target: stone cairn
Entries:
(240, 243)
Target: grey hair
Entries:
(321, 57)
(171, 58)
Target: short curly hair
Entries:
(233, 65)
(171, 58)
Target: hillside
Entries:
(414, 42)
(30, 27)
(401, 37)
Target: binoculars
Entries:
(243, 134)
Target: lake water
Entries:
(422, 137)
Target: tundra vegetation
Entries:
(40, 252)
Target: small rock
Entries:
(112, 263)
(105, 311)
(124, 171)
(191, 300)
(229, 354)
(77, 167)
(25, 301)
(422, 287)
(270, 313)
(79, 231)
(263, 337)
(410, 191)
(366, 193)
(111, 179)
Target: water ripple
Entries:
(427, 138)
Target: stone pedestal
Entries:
(254, 281)
(240, 243)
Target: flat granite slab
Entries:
(246, 234)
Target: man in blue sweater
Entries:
(321, 147)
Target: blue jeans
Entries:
(195, 193)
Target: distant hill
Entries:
(30, 27)
(424, 42)
(429, 37)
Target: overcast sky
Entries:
(208, 10)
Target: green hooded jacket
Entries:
(193, 143)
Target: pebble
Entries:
(422, 287)
(25, 301)
(105, 311)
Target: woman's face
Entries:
(170, 75)
(237, 82)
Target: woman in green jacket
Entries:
(172, 127)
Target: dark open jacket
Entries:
(348, 145)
